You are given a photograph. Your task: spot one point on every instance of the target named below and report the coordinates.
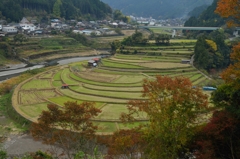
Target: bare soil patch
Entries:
(128, 32)
(163, 65)
(99, 77)
(36, 96)
(126, 60)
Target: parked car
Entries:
(38, 32)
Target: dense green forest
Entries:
(206, 18)
(156, 8)
(14, 10)
(211, 51)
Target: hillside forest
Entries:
(207, 18)
(69, 9)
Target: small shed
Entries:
(96, 60)
(186, 61)
(91, 63)
(65, 86)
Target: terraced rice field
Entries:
(117, 80)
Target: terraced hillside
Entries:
(47, 48)
(111, 85)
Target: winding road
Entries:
(15, 70)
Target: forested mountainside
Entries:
(68, 9)
(156, 8)
(206, 18)
(197, 11)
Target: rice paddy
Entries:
(111, 85)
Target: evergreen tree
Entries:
(57, 8)
(211, 52)
(201, 53)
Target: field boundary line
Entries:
(15, 95)
(105, 96)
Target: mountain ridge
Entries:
(157, 8)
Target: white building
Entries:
(151, 23)
(115, 25)
(98, 33)
(29, 27)
(56, 25)
(26, 25)
(0, 27)
(10, 30)
(77, 31)
(87, 32)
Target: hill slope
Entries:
(69, 9)
(156, 8)
(206, 18)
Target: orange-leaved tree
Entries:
(228, 94)
(229, 9)
(126, 143)
(69, 127)
(232, 73)
(220, 137)
(172, 106)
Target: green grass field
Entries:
(57, 76)
(37, 84)
(34, 110)
(65, 76)
(161, 31)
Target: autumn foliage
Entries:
(126, 143)
(7, 86)
(227, 96)
(229, 9)
(220, 137)
(232, 74)
(70, 127)
(172, 106)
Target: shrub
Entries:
(3, 154)
(54, 32)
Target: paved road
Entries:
(182, 28)
(13, 67)
(76, 59)
(11, 73)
